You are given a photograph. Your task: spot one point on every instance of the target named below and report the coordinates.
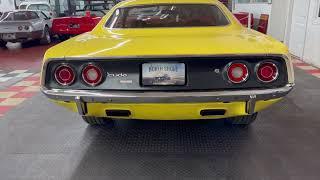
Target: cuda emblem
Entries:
(116, 74)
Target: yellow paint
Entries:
(170, 111)
(225, 40)
(230, 39)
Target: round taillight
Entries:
(64, 75)
(20, 28)
(237, 73)
(267, 72)
(92, 75)
(26, 28)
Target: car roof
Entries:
(150, 2)
(25, 10)
(36, 2)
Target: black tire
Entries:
(63, 37)
(242, 121)
(3, 44)
(98, 121)
(46, 38)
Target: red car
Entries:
(243, 18)
(82, 21)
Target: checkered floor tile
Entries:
(314, 71)
(19, 92)
(29, 85)
(6, 76)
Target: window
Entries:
(42, 15)
(33, 7)
(43, 7)
(23, 7)
(178, 15)
(7, 16)
(20, 16)
(33, 15)
(97, 7)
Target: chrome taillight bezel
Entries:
(242, 79)
(86, 80)
(275, 75)
(73, 74)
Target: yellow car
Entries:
(168, 60)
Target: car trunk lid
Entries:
(168, 42)
(12, 26)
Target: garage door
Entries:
(299, 26)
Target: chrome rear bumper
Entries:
(81, 97)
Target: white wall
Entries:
(6, 5)
(279, 19)
(312, 43)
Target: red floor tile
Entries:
(2, 99)
(15, 88)
(24, 95)
(313, 71)
(36, 84)
(32, 78)
(301, 64)
(4, 109)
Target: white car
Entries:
(23, 26)
(45, 7)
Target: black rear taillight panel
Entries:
(202, 73)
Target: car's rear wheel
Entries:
(3, 43)
(46, 38)
(98, 121)
(242, 121)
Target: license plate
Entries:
(74, 25)
(163, 74)
(8, 36)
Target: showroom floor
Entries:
(39, 140)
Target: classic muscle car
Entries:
(220, 69)
(23, 26)
(82, 21)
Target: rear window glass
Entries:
(3, 16)
(177, 15)
(23, 7)
(19, 16)
(43, 7)
(33, 7)
(7, 16)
